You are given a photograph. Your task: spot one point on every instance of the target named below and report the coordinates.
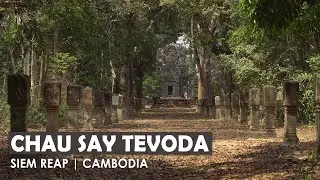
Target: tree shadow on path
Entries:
(290, 161)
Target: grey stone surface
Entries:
(290, 92)
(87, 102)
(269, 100)
(52, 101)
(218, 107)
(73, 103)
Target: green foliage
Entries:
(307, 100)
(152, 85)
(274, 41)
(243, 64)
(275, 14)
(63, 115)
(36, 115)
(271, 41)
(4, 114)
(307, 108)
(314, 63)
(62, 66)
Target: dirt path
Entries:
(238, 153)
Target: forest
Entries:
(118, 46)
(113, 45)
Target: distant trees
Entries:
(107, 45)
(113, 45)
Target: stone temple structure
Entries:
(179, 79)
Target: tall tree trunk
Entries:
(12, 66)
(34, 72)
(200, 73)
(33, 67)
(138, 86)
(130, 79)
(113, 78)
(25, 54)
(129, 99)
(202, 80)
(129, 102)
(209, 84)
(41, 73)
(117, 88)
(205, 90)
(56, 39)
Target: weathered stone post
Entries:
(235, 106)
(52, 101)
(254, 98)
(227, 106)
(218, 107)
(269, 100)
(18, 99)
(87, 102)
(243, 100)
(114, 104)
(73, 103)
(317, 94)
(117, 103)
(290, 92)
(108, 112)
(98, 110)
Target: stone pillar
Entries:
(269, 100)
(227, 106)
(218, 107)
(73, 103)
(243, 100)
(108, 112)
(87, 102)
(18, 99)
(117, 103)
(114, 104)
(254, 98)
(235, 106)
(52, 101)
(291, 93)
(98, 110)
(317, 95)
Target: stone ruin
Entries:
(88, 109)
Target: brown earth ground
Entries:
(237, 153)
